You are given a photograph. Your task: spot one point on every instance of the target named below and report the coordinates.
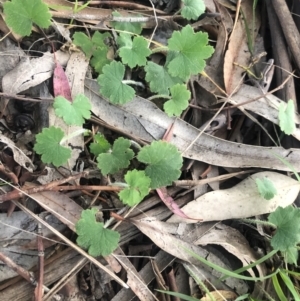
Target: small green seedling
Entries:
(159, 79)
(94, 48)
(100, 145)
(188, 51)
(266, 188)
(49, 144)
(286, 117)
(135, 53)
(163, 163)
(186, 54)
(138, 187)
(178, 100)
(118, 158)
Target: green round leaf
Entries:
(164, 162)
(159, 78)
(287, 233)
(84, 42)
(286, 116)
(266, 188)
(111, 85)
(135, 55)
(179, 100)
(48, 145)
(20, 14)
(93, 236)
(191, 49)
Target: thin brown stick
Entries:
(17, 193)
(23, 97)
(82, 187)
(206, 171)
(125, 4)
(18, 269)
(290, 30)
(172, 283)
(117, 216)
(39, 292)
(210, 180)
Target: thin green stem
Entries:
(78, 8)
(160, 49)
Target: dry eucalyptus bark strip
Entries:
(143, 119)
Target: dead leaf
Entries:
(162, 259)
(134, 279)
(61, 86)
(60, 205)
(18, 154)
(62, 29)
(31, 72)
(234, 242)
(158, 233)
(10, 56)
(214, 68)
(210, 5)
(242, 200)
(238, 54)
